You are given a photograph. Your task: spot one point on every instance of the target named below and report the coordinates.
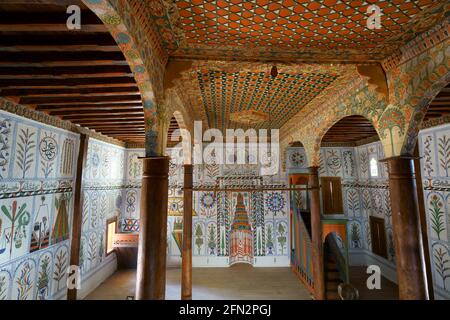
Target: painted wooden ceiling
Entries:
(223, 93)
(80, 76)
(291, 30)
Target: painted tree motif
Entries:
(43, 278)
(282, 237)
(353, 201)
(349, 164)
(25, 150)
(19, 219)
(436, 215)
(444, 152)
(3, 287)
(92, 250)
(5, 131)
(270, 239)
(24, 282)
(61, 265)
(428, 158)
(199, 238)
(364, 163)
(101, 248)
(355, 235)
(441, 262)
(212, 239)
(392, 118)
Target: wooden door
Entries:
(378, 234)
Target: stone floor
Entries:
(237, 282)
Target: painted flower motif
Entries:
(275, 202)
(207, 200)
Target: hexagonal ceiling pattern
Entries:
(302, 29)
(223, 93)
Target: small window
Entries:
(111, 227)
(373, 167)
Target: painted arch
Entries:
(125, 39)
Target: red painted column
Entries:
(151, 265)
(410, 261)
(186, 264)
(316, 236)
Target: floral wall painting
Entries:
(24, 280)
(15, 217)
(67, 157)
(444, 154)
(392, 126)
(25, 152)
(5, 284)
(61, 262)
(437, 215)
(441, 263)
(48, 149)
(45, 265)
(5, 145)
(434, 145)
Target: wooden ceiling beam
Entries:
(58, 83)
(51, 27)
(65, 71)
(58, 63)
(108, 106)
(44, 56)
(55, 39)
(81, 99)
(70, 92)
(104, 117)
(96, 111)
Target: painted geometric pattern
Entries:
(298, 27)
(281, 97)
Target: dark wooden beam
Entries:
(75, 92)
(97, 112)
(77, 218)
(81, 99)
(65, 71)
(88, 106)
(55, 39)
(57, 83)
(105, 117)
(44, 56)
(51, 27)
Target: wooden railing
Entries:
(302, 250)
(339, 256)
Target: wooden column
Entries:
(186, 266)
(412, 280)
(316, 230)
(77, 210)
(151, 265)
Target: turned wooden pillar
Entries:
(151, 264)
(410, 260)
(316, 236)
(186, 265)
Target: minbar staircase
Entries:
(332, 275)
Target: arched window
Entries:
(373, 167)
